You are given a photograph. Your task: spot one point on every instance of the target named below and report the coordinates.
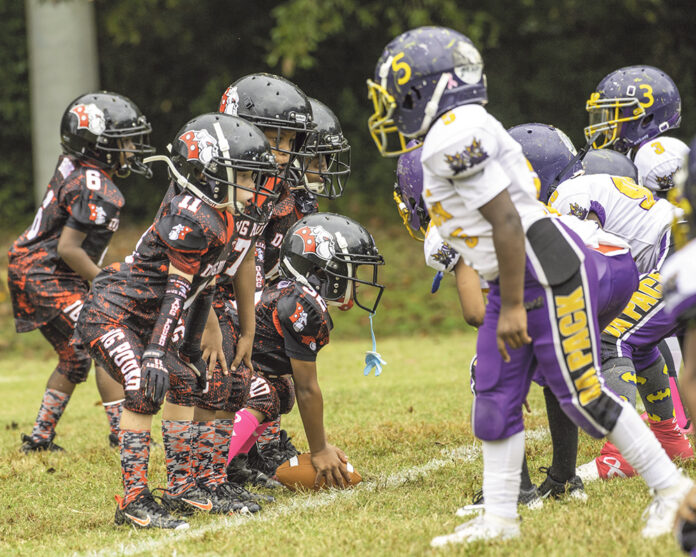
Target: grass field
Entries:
(407, 432)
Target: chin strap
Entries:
(373, 359)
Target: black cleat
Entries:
(268, 457)
(195, 498)
(239, 472)
(144, 512)
(30, 445)
(236, 497)
(573, 488)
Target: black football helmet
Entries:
(208, 153)
(606, 161)
(329, 165)
(339, 253)
(95, 126)
(274, 103)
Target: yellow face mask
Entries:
(606, 118)
(389, 140)
(406, 216)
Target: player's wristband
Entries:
(175, 295)
(195, 322)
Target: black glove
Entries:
(197, 364)
(154, 373)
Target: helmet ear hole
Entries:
(647, 120)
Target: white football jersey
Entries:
(658, 161)
(439, 255)
(592, 235)
(468, 159)
(624, 208)
(678, 284)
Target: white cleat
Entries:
(660, 514)
(588, 472)
(470, 510)
(483, 527)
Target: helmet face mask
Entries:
(339, 254)
(328, 156)
(278, 107)
(631, 106)
(421, 74)
(108, 130)
(226, 162)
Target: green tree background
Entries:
(174, 58)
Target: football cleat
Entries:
(238, 472)
(660, 514)
(484, 527)
(573, 488)
(528, 497)
(195, 498)
(268, 457)
(234, 499)
(144, 512)
(30, 445)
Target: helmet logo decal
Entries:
(464, 160)
(97, 214)
(89, 117)
(299, 318)
(200, 145)
(318, 241)
(179, 232)
(468, 64)
(229, 104)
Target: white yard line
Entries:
(464, 453)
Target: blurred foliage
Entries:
(175, 58)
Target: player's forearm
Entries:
(470, 296)
(311, 405)
(77, 259)
(509, 242)
(244, 289)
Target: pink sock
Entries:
(245, 424)
(254, 436)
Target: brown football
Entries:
(298, 473)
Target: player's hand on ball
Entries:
(330, 464)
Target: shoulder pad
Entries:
(181, 233)
(299, 313)
(459, 155)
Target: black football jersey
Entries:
(292, 321)
(80, 196)
(189, 234)
(290, 207)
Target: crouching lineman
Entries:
(51, 264)
(680, 302)
(481, 195)
(223, 165)
(323, 259)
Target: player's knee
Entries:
(490, 420)
(75, 370)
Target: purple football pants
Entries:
(562, 322)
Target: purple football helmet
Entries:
(549, 151)
(630, 106)
(408, 191)
(606, 161)
(421, 74)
